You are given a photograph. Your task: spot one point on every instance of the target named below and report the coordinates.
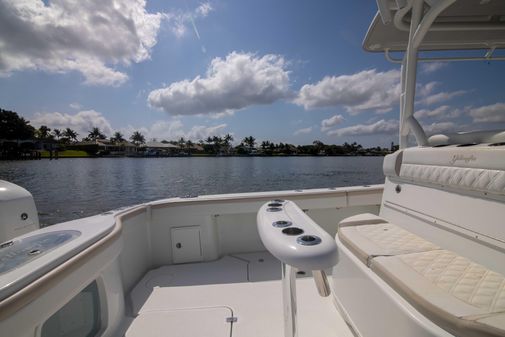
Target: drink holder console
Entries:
(300, 244)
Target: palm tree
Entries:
(43, 132)
(181, 143)
(228, 139)
(227, 142)
(95, 134)
(57, 134)
(218, 141)
(265, 144)
(318, 146)
(189, 145)
(137, 138)
(249, 141)
(70, 134)
(117, 137)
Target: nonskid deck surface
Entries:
(237, 296)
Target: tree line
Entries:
(15, 127)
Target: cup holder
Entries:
(275, 204)
(282, 223)
(308, 240)
(274, 209)
(292, 231)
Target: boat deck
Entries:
(238, 295)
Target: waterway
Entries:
(67, 189)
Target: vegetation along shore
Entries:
(20, 140)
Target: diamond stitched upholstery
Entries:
(395, 239)
(460, 277)
(383, 239)
(459, 295)
(484, 180)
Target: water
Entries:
(67, 189)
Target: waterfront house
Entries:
(155, 149)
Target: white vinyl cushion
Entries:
(484, 180)
(361, 219)
(463, 297)
(460, 277)
(384, 239)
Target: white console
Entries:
(299, 243)
(294, 238)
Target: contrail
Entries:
(194, 26)
(204, 50)
(197, 33)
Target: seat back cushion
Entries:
(463, 169)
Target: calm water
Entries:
(66, 189)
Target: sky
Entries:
(285, 71)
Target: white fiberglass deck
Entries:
(237, 295)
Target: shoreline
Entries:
(191, 156)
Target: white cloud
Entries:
(204, 9)
(175, 129)
(233, 83)
(303, 131)
(326, 124)
(441, 97)
(443, 111)
(427, 89)
(182, 20)
(203, 131)
(81, 122)
(494, 113)
(219, 115)
(440, 127)
(379, 127)
(365, 90)
(91, 37)
(431, 67)
(75, 106)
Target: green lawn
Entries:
(66, 154)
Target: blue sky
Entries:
(290, 71)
